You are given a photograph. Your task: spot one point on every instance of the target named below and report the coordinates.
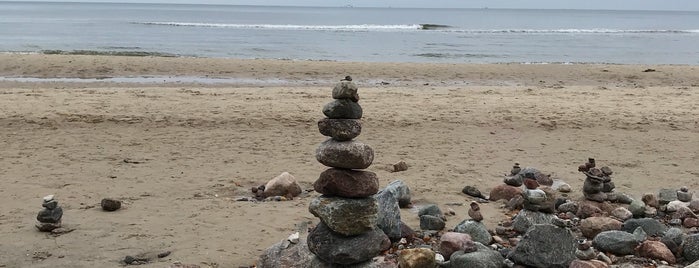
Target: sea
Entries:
(483, 35)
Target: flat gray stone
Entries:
(347, 216)
(340, 129)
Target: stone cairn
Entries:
(348, 212)
(598, 182)
(50, 217)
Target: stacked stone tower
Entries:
(348, 212)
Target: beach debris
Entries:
(144, 258)
(109, 204)
(280, 188)
(684, 195)
(474, 212)
(400, 166)
(649, 70)
(50, 217)
(472, 191)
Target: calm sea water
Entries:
(353, 34)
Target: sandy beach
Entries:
(179, 153)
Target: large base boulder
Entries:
(289, 255)
(335, 248)
(545, 245)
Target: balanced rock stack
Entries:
(50, 217)
(347, 233)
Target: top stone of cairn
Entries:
(346, 90)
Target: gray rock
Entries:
(345, 154)
(389, 214)
(340, 129)
(622, 214)
(339, 249)
(621, 198)
(690, 248)
(431, 209)
(569, 206)
(684, 196)
(282, 185)
(47, 227)
(666, 196)
(652, 227)
(342, 109)
(693, 265)
(347, 216)
(616, 242)
(429, 222)
(637, 208)
(526, 218)
(50, 215)
(285, 254)
(401, 191)
(472, 191)
(109, 204)
(345, 90)
(545, 245)
(483, 257)
(478, 232)
(673, 239)
(515, 180)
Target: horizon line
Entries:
(340, 6)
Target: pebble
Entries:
(109, 204)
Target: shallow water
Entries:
(352, 34)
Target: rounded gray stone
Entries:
(616, 242)
(545, 245)
(342, 109)
(340, 129)
(429, 222)
(477, 230)
(346, 90)
(345, 154)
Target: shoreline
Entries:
(197, 147)
(261, 72)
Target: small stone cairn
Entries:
(50, 217)
(348, 232)
(598, 182)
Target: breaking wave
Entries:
(353, 27)
(416, 27)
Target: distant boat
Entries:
(349, 6)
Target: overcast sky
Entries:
(549, 4)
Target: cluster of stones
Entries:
(50, 217)
(347, 232)
(598, 185)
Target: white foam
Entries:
(352, 27)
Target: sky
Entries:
(534, 4)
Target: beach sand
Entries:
(179, 154)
